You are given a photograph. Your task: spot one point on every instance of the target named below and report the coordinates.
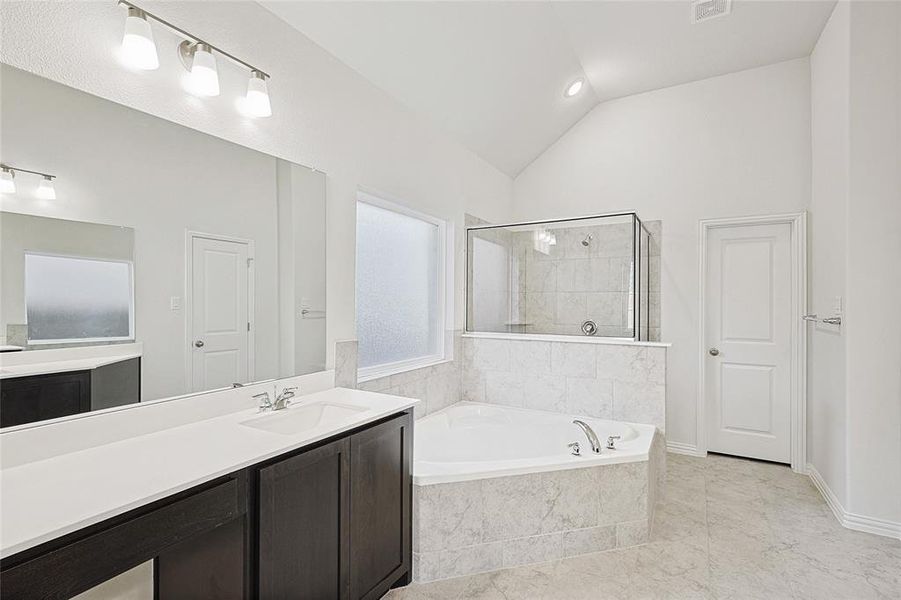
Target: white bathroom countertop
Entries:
(62, 366)
(46, 499)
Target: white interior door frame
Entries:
(798, 223)
(188, 305)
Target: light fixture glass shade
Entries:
(204, 75)
(7, 182)
(138, 48)
(256, 103)
(46, 191)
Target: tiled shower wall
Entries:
(624, 382)
(534, 292)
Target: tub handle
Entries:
(576, 449)
(611, 442)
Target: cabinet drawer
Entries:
(80, 564)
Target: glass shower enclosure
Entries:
(585, 276)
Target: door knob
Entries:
(713, 352)
(198, 344)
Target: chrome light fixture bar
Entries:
(197, 56)
(45, 191)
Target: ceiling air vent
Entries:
(705, 10)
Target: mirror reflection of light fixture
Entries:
(139, 50)
(7, 181)
(46, 191)
(543, 239)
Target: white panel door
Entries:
(220, 315)
(748, 350)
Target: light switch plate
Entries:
(175, 303)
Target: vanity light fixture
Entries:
(45, 190)
(574, 88)
(7, 180)
(198, 57)
(256, 103)
(138, 48)
(204, 78)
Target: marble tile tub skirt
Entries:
(480, 525)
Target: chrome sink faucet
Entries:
(284, 398)
(590, 434)
(282, 401)
(265, 401)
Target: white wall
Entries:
(829, 80)
(873, 334)
(733, 145)
(325, 115)
(855, 371)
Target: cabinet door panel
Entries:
(381, 492)
(303, 509)
(209, 566)
(41, 397)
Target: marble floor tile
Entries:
(731, 529)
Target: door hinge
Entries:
(248, 325)
(249, 261)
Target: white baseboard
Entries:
(683, 448)
(848, 519)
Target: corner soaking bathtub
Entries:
(497, 487)
(469, 440)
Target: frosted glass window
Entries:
(398, 287)
(77, 299)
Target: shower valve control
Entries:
(576, 449)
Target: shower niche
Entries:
(592, 276)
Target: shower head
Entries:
(587, 241)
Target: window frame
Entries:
(445, 307)
(93, 340)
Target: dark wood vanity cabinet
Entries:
(34, 398)
(41, 397)
(381, 507)
(332, 521)
(304, 514)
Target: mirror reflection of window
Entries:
(69, 299)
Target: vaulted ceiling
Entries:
(492, 74)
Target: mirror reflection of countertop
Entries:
(62, 366)
(48, 498)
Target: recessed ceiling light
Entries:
(574, 88)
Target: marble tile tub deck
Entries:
(479, 525)
(729, 529)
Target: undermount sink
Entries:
(302, 418)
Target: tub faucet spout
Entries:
(590, 434)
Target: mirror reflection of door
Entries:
(221, 328)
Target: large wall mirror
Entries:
(170, 262)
